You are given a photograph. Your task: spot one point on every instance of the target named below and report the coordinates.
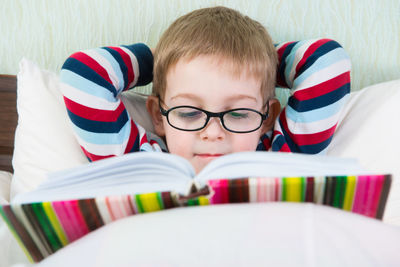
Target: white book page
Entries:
(152, 171)
(113, 190)
(128, 164)
(277, 164)
(128, 174)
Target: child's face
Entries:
(207, 84)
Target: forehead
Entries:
(211, 78)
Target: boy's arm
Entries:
(318, 73)
(91, 82)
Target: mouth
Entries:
(208, 155)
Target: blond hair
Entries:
(222, 32)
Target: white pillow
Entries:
(44, 140)
(369, 131)
(254, 234)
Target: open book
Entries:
(72, 203)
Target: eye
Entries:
(191, 114)
(187, 113)
(238, 114)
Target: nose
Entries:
(213, 130)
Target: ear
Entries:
(153, 108)
(274, 110)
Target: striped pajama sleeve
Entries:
(318, 73)
(91, 82)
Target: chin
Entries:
(200, 162)
(198, 166)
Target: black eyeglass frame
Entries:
(209, 114)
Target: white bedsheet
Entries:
(257, 234)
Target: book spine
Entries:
(90, 213)
(70, 218)
(374, 187)
(22, 218)
(119, 207)
(238, 190)
(22, 236)
(168, 200)
(30, 214)
(48, 230)
(43, 228)
(364, 195)
(377, 186)
(349, 192)
(387, 181)
(369, 193)
(309, 194)
(319, 189)
(55, 223)
(220, 189)
(338, 196)
(149, 202)
(103, 209)
(293, 189)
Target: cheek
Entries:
(246, 142)
(178, 142)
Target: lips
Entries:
(208, 155)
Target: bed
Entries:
(31, 124)
(8, 118)
(36, 138)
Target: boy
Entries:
(213, 89)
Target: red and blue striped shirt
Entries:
(316, 71)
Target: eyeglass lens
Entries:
(238, 120)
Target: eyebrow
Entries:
(232, 98)
(238, 97)
(191, 96)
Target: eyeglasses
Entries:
(238, 120)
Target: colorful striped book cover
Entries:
(43, 228)
(72, 203)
